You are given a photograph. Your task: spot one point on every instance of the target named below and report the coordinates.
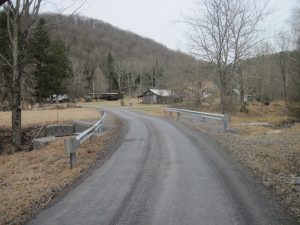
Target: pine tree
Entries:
(110, 74)
(51, 63)
(40, 51)
(58, 67)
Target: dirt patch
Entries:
(29, 181)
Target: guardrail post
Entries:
(72, 143)
(225, 121)
(70, 148)
(72, 160)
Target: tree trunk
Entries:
(17, 74)
(242, 92)
(16, 101)
(222, 88)
(16, 117)
(129, 85)
(285, 90)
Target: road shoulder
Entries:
(32, 181)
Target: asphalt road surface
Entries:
(164, 174)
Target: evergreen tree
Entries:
(110, 74)
(51, 62)
(58, 67)
(88, 74)
(40, 51)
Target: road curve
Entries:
(164, 174)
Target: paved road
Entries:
(164, 174)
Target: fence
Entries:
(220, 117)
(72, 143)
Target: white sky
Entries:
(156, 19)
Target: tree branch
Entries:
(5, 60)
(8, 21)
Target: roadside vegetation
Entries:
(31, 180)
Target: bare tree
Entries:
(78, 82)
(119, 73)
(295, 55)
(282, 60)
(245, 37)
(22, 18)
(210, 37)
(222, 32)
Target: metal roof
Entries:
(164, 93)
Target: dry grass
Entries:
(272, 157)
(42, 117)
(29, 180)
(274, 114)
(150, 109)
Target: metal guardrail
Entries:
(72, 143)
(221, 117)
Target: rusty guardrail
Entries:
(220, 117)
(72, 143)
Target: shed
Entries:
(247, 97)
(158, 96)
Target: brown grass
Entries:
(150, 109)
(275, 114)
(272, 157)
(42, 117)
(29, 180)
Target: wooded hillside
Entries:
(117, 60)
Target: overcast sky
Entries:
(157, 19)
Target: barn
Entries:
(158, 96)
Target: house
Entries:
(247, 97)
(158, 96)
(58, 98)
(203, 89)
(209, 89)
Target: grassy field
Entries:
(150, 109)
(48, 116)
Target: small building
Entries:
(247, 97)
(158, 96)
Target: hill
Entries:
(105, 58)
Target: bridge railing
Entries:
(205, 115)
(72, 143)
